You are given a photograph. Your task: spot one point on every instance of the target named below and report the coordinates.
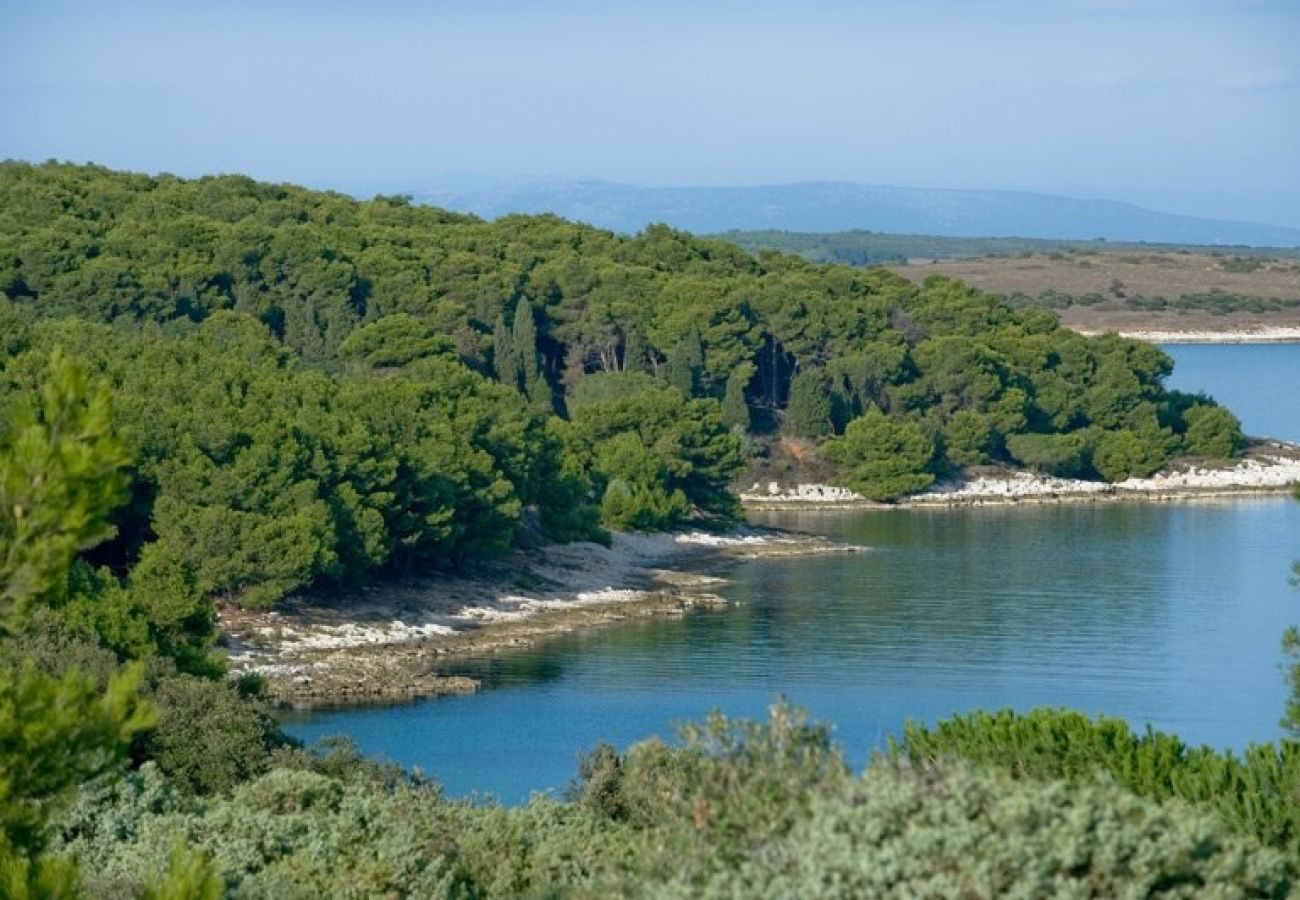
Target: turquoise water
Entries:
(1167, 614)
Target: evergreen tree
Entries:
(808, 414)
(504, 358)
(686, 363)
(60, 475)
(882, 458)
(634, 351)
(524, 334)
(59, 480)
(735, 409)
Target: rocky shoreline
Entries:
(389, 643)
(1267, 334)
(1271, 467)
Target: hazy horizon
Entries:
(1186, 107)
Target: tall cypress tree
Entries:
(735, 409)
(533, 376)
(686, 363)
(808, 413)
(634, 350)
(504, 358)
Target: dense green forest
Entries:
(224, 389)
(315, 388)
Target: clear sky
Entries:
(1184, 105)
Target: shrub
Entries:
(209, 738)
(1052, 454)
(1254, 793)
(902, 832)
(883, 459)
(1118, 455)
(1212, 431)
(967, 438)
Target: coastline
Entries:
(1272, 467)
(1275, 334)
(390, 642)
(387, 643)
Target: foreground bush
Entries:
(739, 809)
(1257, 793)
(905, 832)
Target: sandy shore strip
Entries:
(387, 642)
(1271, 467)
(1275, 334)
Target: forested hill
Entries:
(314, 388)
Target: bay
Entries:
(1168, 615)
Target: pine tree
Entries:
(60, 477)
(61, 473)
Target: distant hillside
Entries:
(842, 206)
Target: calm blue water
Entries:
(1168, 614)
(1260, 382)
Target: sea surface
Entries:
(1167, 614)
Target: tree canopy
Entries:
(316, 388)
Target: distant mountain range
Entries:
(826, 206)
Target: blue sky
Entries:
(1185, 105)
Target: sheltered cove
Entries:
(392, 643)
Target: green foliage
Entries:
(369, 288)
(505, 359)
(1212, 432)
(1053, 454)
(808, 414)
(735, 408)
(209, 738)
(737, 809)
(394, 341)
(61, 473)
(54, 735)
(659, 455)
(189, 877)
(882, 458)
(1291, 649)
(636, 494)
(299, 378)
(736, 782)
(949, 833)
(1122, 454)
(257, 476)
(686, 362)
(609, 387)
(528, 359)
(1253, 793)
(968, 438)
